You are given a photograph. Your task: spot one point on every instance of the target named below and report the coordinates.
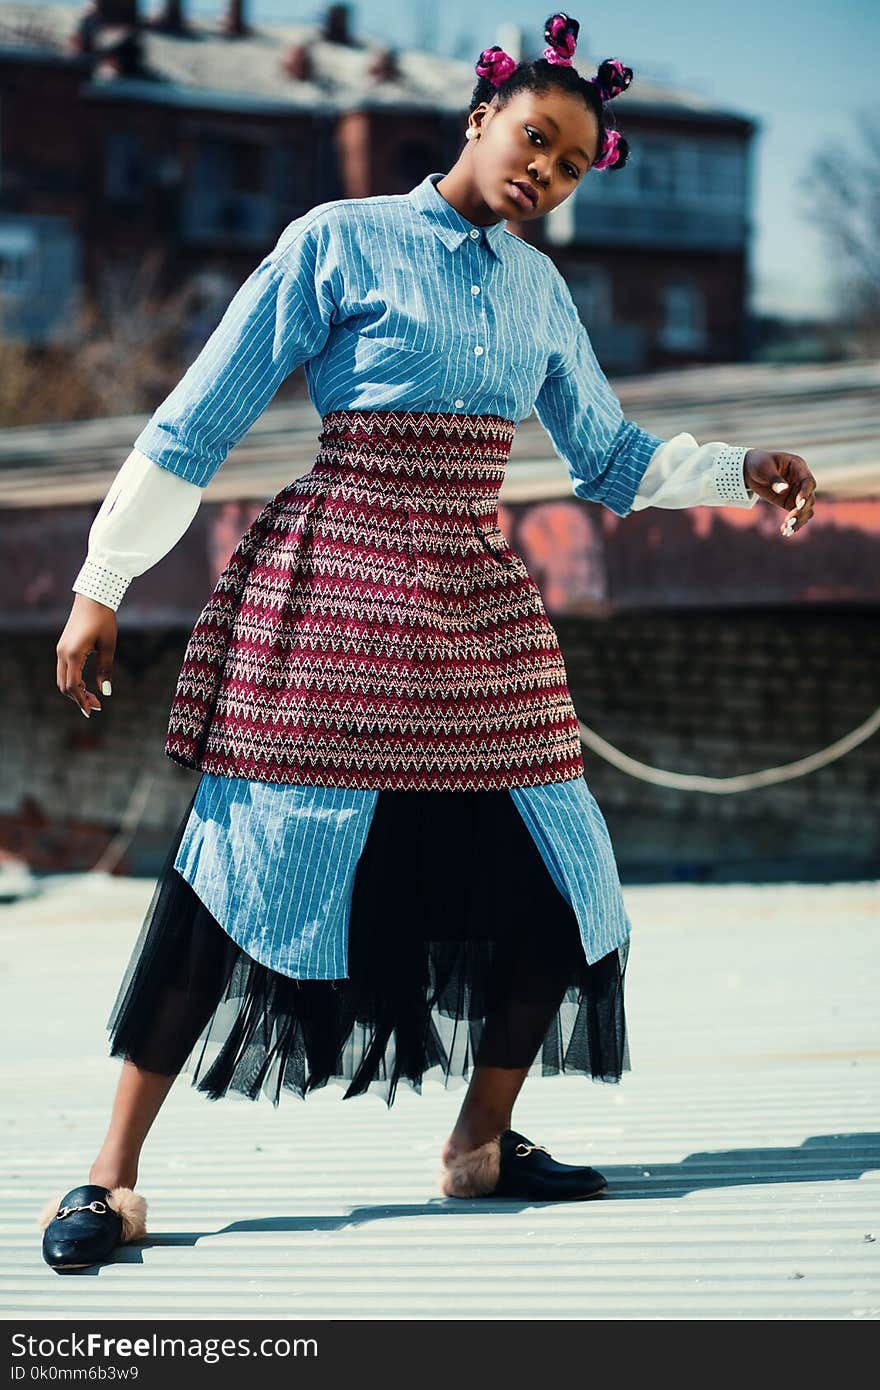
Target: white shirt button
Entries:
(475, 289)
(459, 403)
(478, 351)
(474, 234)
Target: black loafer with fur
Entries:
(512, 1166)
(87, 1223)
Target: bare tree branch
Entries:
(842, 190)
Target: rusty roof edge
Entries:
(798, 408)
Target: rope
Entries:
(131, 819)
(746, 781)
(659, 777)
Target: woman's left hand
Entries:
(784, 479)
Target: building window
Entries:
(286, 168)
(125, 169)
(18, 272)
(721, 171)
(229, 191)
(684, 326)
(655, 168)
(590, 288)
(224, 164)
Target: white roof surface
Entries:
(742, 1150)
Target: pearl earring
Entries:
(470, 132)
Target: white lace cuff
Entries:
(97, 582)
(729, 481)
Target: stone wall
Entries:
(723, 693)
(698, 691)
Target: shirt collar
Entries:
(451, 226)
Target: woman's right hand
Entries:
(90, 627)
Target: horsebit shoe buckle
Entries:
(96, 1206)
(523, 1150)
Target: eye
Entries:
(538, 139)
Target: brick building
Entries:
(202, 138)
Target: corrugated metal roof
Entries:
(828, 414)
(249, 67)
(742, 1150)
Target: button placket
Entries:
(476, 298)
(479, 348)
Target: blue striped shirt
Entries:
(390, 302)
(275, 865)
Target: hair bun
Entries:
(495, 64)
(560, 33)
(612, 78)
(615, 149)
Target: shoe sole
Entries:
(584, 1197)
(490, 1196)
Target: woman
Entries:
(392, 861)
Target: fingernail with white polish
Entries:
(85, 712)
(800, 502)
(780, 486)
(106, 688)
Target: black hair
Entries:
(540, 75)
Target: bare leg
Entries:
(527, 987)
(515, 1029)
(179, 1007)
(486, 1110)
(138, 1100)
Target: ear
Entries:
(483, 113)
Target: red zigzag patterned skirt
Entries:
(374, 629)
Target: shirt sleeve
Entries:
(144, 514)
(278, 318)
(683, 473)
(606, 455)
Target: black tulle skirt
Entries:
(462, 952)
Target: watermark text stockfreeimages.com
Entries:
(98, 1346)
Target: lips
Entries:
(527, 188)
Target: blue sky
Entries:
(805, 69)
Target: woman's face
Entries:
(546, 142)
